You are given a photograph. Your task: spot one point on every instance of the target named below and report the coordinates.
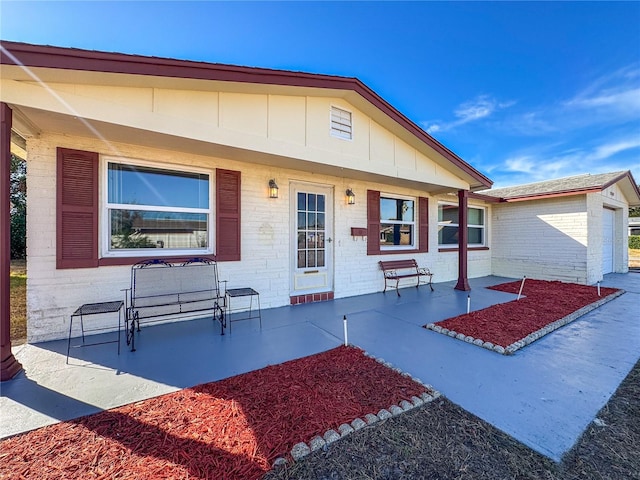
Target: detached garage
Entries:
(570, 229)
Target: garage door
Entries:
(607, 240)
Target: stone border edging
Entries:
(532, 337)
(302, 449)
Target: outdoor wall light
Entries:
(273, 189)
(351, 197)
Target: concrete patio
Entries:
(544, 395)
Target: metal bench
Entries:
(161, 290)
(396, 270)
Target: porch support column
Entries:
(463, 234)
(9, 366)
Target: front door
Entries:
(311, 242)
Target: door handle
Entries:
(329, 240)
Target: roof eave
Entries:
(542, 196)
(22, 54)
(632, 186)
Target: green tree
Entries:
(124, 234)
(18, 199)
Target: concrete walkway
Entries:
(545, 395)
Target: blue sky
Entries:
(522, 91)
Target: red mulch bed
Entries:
(543, 303)
(231, 429)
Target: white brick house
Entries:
(132, 157)
(203, 143)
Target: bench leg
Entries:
(131, 331)
(397, 289)
(218, 314)
(222, 320)
(127, 319)
(427, 283)
(69, 338)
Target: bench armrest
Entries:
(424, 271)
(390, 273)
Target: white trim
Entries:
(105, 206)
(414, 223)
(311, 280)
(608, 250)
(469, 225)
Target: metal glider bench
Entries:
(164, 291)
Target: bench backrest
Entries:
(398, 264)
(156, 282)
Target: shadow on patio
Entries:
(544, 395)
(177, 355)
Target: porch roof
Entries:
(22, 61)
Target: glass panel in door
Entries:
(310, 209)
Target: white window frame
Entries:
(338, 133)
(469, 225)
(105, 222)
(414, 223)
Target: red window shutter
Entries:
(76, 209)
(227, 215)
(373, 222)
(423, 224)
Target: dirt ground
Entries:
(442, 441)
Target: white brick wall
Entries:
(545, 239)
(52, 295)
(559, 238)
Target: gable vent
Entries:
(341, 123)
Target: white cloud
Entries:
(608, 150)
(611, 99)
(470, 111)
(553, 161)
(433, 128)
(594, 129)
(480, 107)
(537, 167)
(625, 101)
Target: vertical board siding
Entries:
(77, 209)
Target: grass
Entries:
(18, 294)
(634, 257)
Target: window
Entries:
(311, 210)
(341, 123)
(448, 225)
(79, 209)
(397, 223)
(153, 208)
(414, 224)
